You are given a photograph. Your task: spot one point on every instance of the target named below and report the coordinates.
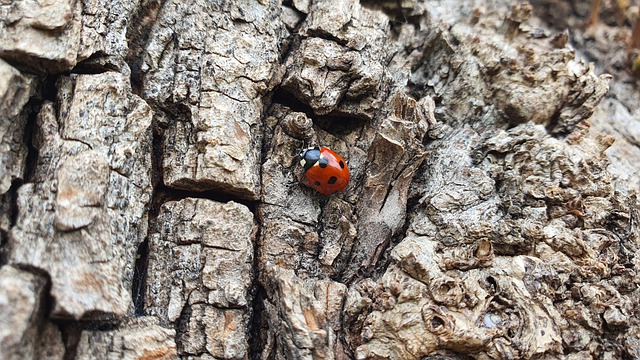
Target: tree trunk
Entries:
(152, 204)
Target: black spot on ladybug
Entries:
(317, 183)
(341, 164)
(332, 180)
(323, 162)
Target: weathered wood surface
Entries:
(84, 213)
(200, 273)
(151, 205)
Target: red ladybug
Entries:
(326, 171)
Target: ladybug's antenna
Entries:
(300, 150)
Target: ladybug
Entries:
(326, 171)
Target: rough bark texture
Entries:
(138, 338)
(212, 87)
(152, 205)
(199, 275)
(15, 91)
(25, 332)
(83, 215)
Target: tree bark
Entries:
(152, 205)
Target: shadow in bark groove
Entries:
(257, 324)
(92, 65)
(138, 34)
(12, 195)
(72, 330)
(3, 242)
(163, 194)
(287, 99)
(393, 9)
(385, 258)
(338, 126)
(139, 277)
(48, 93)
(47, 90)
(182, 326)
(142, 260)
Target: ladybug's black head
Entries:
(309, 156)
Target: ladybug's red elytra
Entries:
(326, 171)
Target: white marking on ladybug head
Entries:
(302, 162)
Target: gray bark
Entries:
(83, 215)
(152, 205)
